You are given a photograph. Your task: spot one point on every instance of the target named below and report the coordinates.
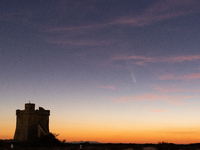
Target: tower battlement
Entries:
(31, 123)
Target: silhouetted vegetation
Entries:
(48, 140)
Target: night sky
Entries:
(123, 71)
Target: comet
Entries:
(131, 71)
(133, 77)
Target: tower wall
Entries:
(27, 122)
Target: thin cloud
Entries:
(159, 11)
(162, 10)
(143, 60)
(153, 97)
(156, 12)
(156, 97)
(184, 58)
(177, 102)
(178, 77)
(192, 76)
(168, 89)
(172, 89)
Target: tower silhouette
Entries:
(31, 123)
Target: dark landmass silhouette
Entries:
(51, 143)
(79, 142)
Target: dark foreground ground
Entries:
(6, 145)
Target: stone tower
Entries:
(31, 123)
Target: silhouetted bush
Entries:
(48, 140)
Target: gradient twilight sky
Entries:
(108, 70)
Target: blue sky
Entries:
(111, 70)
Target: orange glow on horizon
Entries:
(112, 136)
(116, 133)
(134, 136)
